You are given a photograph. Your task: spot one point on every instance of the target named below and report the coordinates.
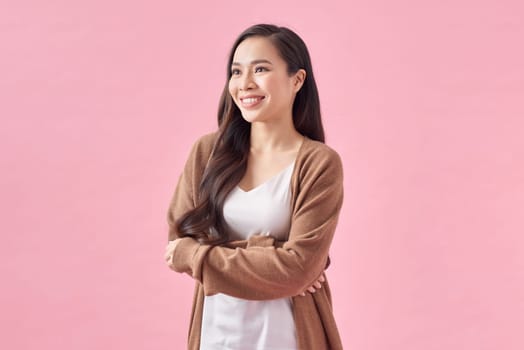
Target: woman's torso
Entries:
(233, 323)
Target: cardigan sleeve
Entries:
(263, 269)
(184, 195)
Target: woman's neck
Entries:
(274, 137)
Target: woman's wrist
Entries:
(182, 254)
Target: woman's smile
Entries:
(251, 101)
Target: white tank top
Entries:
(230, 323)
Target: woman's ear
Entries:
(299, 78)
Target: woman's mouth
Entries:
(251, 101)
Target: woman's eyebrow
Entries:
(253, 62)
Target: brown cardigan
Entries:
(261, 268)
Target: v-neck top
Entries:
(232, 323)
(265, 209)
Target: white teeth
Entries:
(251, 100)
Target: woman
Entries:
(255, 209)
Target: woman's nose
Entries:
(247, 82)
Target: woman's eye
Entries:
(235, 71)
(260, 69)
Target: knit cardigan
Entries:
(262, 268)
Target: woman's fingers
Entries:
(316, 285)
(168, 253)
(170, 248)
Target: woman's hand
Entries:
(170, 249)
(316, 285)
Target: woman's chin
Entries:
(251, 117)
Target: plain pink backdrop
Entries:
(102, 100)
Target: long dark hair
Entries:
(228, 162)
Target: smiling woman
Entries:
(256, 207)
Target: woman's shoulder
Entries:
(204, 143)
(206, 140)
(319, 169)
(316, 151)
(201, 150)
(317, 160)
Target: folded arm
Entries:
(260, 268)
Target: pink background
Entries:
(101, 101)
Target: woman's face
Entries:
(260, 84)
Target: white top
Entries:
(230, 323)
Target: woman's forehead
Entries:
(255, 49)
